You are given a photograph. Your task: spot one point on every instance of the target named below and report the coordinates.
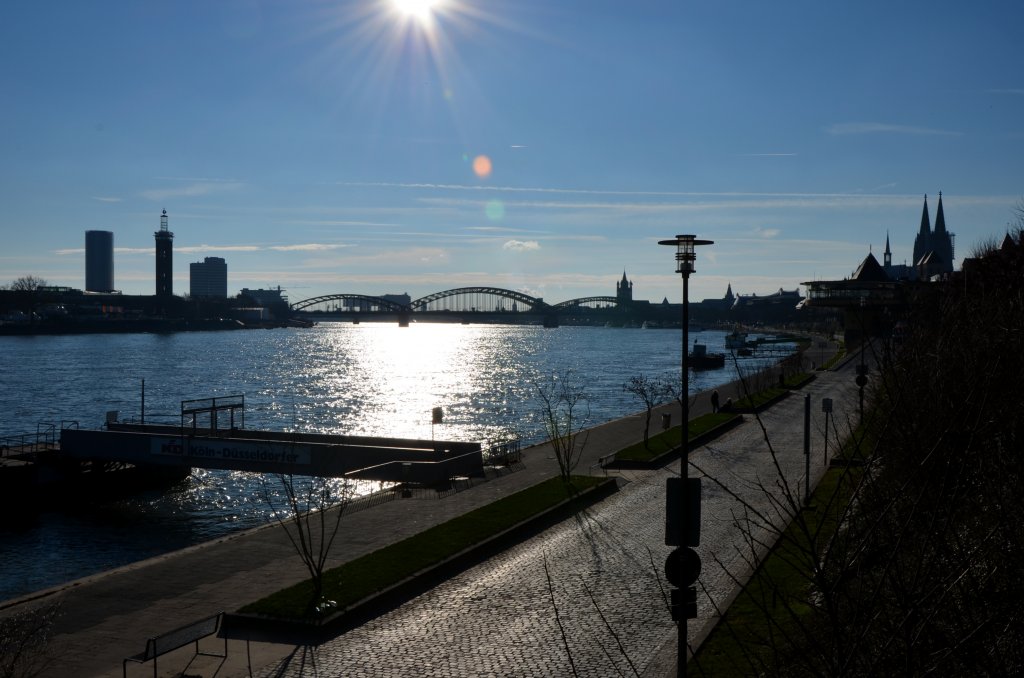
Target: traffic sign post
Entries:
(682, 567)
(677, 534)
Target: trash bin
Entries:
(666, 420)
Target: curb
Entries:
(670, 456)
(763, 406)
(277, 630)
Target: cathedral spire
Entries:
(940, 218)
(926, 226)
(923, 241)
(887, 255)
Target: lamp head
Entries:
(686, 256)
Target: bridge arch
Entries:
(364, 300)
(575, 303)
(534, 303)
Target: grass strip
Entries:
(831, 362)
(756, 400)
(666, 441)
(797, 380)
(374, 572)
(774, 603)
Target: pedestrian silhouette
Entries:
(714, 400)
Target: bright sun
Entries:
(419, 9)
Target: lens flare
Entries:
(495, 210)
(482, 166)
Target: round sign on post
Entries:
(682, 567)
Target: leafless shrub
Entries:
(565, 411)
(309, 509)
(25, 641)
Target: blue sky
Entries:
(330, 146)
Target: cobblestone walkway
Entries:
(597, 578)
(506, 616)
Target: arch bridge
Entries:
(486, 299)
(362, 302)
(479, 302)
(587, 302)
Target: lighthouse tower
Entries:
(164, 251)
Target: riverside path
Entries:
(603, 577)
(588, 595)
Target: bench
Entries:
(178, 638)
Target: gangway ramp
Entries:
(316, 454)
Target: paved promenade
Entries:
(497, 618)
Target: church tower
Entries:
(936, 245)
(887, 255)
(624, 290)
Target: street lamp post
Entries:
(683, 565)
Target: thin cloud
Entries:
(498, 229)
(307, 247)
(767, 232)
(762, 201)
(192, 249)
(102, 199)
(767, 155)
(1006, 91)
(192, 190)
(521, 245)
(844, 128)
(335, 222)
(584, 191)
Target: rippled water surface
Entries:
(370, 379)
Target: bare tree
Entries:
(309, 509)
(27, 283)
(27, 293)
(24, 641)
(650, 392)
(565, 411)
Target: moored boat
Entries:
(700, 359)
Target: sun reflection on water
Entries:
(368, 379)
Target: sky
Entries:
(543, 146)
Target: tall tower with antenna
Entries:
(164, 259)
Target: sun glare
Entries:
(421, 10)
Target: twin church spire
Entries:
(936, 245)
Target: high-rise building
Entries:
(99, 261)
(164, 259)
(208, 278)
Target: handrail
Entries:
(508, 452)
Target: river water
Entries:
(367, 379)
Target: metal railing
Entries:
(44, 438)
(504, 454)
